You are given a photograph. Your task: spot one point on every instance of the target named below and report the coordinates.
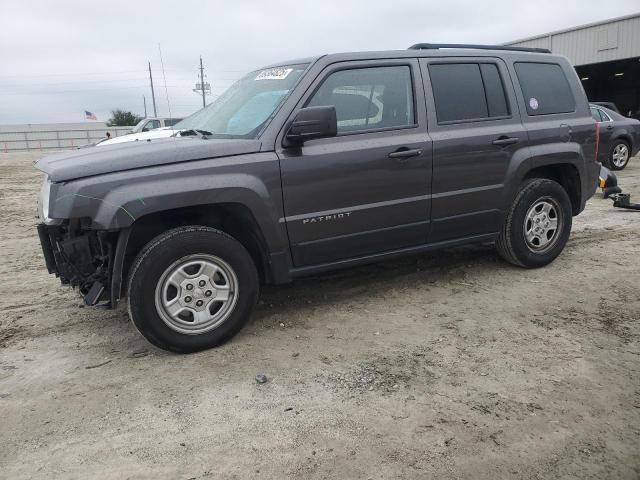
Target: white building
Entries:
(606, 56)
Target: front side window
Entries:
(368, 98)
(246, 107)
(467, 92)
(545, 88)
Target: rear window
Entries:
(468, 91)
(545, 88)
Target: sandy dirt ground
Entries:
(448, 365)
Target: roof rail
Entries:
(437, 46)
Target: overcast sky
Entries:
(59, 58)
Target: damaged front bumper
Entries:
(81, 258)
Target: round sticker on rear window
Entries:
(533, 103)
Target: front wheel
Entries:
(191, 288)
(537, 225)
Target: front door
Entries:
(367, 190)
(476, 129)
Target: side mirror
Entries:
(310, 123)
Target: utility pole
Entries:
(204, 104)
(144, 101)
(153, 95)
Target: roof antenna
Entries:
(166, 91)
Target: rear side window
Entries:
(545, 88)
(605, 117)
(595, 113)
(468, 91)
(368, 98)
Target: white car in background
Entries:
(185, 126)
(153, 123)
(163, 132)
(147, 129)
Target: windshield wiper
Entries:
(195, 131)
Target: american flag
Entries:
(89, 116)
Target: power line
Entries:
(70, 74)
(78, 90)
(185, 87)
(113, 80)
(70, 82)
(166, 91)
(76, 74)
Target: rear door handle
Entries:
(401, 153)
(609, 127)
(503, 141)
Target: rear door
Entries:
(476, 129)
(367, 190)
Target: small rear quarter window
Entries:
(494, 90)
(545, 88)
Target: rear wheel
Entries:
(537, 225)
(191, 288)
(619, 155)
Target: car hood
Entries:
(87, 162)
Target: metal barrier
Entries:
(11, 141)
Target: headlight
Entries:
(43, 203)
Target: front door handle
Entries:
(609, 127)
(405, 153)
(504, 141)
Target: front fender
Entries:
(115, 201)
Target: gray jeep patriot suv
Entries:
(317, 164)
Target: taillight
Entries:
(597, 139)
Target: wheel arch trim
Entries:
(550, 155)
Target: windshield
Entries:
(244, 109)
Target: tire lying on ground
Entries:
(537, 225)
(191, 288)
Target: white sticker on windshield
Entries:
(278, 73)
(533, 103)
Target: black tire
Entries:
(158, 256)
(610, 160)
(512, 244)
